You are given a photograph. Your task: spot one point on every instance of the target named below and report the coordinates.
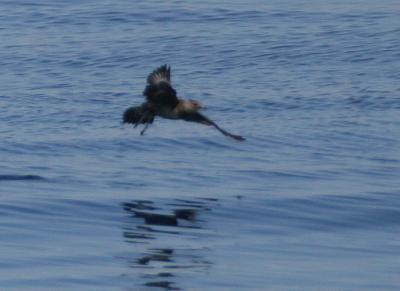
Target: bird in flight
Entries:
(161, 100)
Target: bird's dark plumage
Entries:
(159, 90)
(198, 117)
(137, 115)
(161, 100)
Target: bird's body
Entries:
(181, 108)
(161, 100)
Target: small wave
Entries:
(21, 177)
(374, 100)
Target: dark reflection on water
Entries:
(169, 239)
(20, 177)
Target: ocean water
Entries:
(310, 201)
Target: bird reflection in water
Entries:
(169, 241)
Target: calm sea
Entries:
(310, 201)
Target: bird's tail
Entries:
(136, 115)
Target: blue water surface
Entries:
(310, 201)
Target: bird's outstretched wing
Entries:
(197, 117)
(159, 91)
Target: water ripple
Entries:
(21, 178)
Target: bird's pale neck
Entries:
(188, 106)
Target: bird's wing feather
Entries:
(159, 90)
(161, 74)
(197, 117)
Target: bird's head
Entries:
(196, 104)
(192, 106)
